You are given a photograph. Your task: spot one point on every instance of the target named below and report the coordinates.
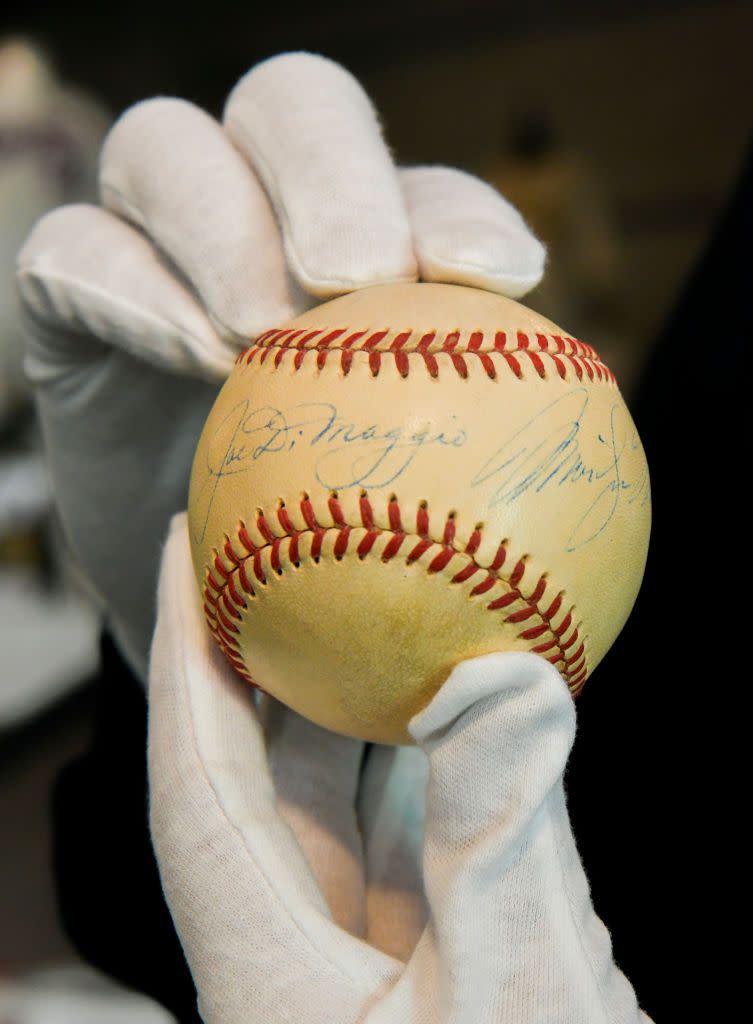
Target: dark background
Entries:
(647, 107)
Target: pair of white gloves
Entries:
(435, 883)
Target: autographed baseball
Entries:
(405, 477)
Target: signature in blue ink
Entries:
(350, 454)
(546, 453)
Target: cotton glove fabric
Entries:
(209, 233)
(507, 933)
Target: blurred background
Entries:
(617, 129)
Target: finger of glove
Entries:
(497, 735)
(312, 135)
(465, 232)
(120, 438)
(256, 931)
(510, 936)
(391, 811)
(169, 168)
(315, 774)
(85, 278)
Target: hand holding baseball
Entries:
(294, 879)
(209, 234)
(511, 934)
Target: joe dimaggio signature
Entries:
(373, 455)
(545, 453)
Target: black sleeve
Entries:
(642, 789)
(108, 887)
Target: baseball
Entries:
(405, 477)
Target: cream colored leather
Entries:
(405, 477)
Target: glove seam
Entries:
(88, 290)
(270, 885)
(574, 916)
(493, 272)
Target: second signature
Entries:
(549, 453)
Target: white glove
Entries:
(272, 932)
(209, 234)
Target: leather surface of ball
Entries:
(405, 477)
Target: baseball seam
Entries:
(563, 355)
(242, 565)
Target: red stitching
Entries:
(564, 354)
(228, 584)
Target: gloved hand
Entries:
(209, 234)
(283, 915)
(270, 839)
